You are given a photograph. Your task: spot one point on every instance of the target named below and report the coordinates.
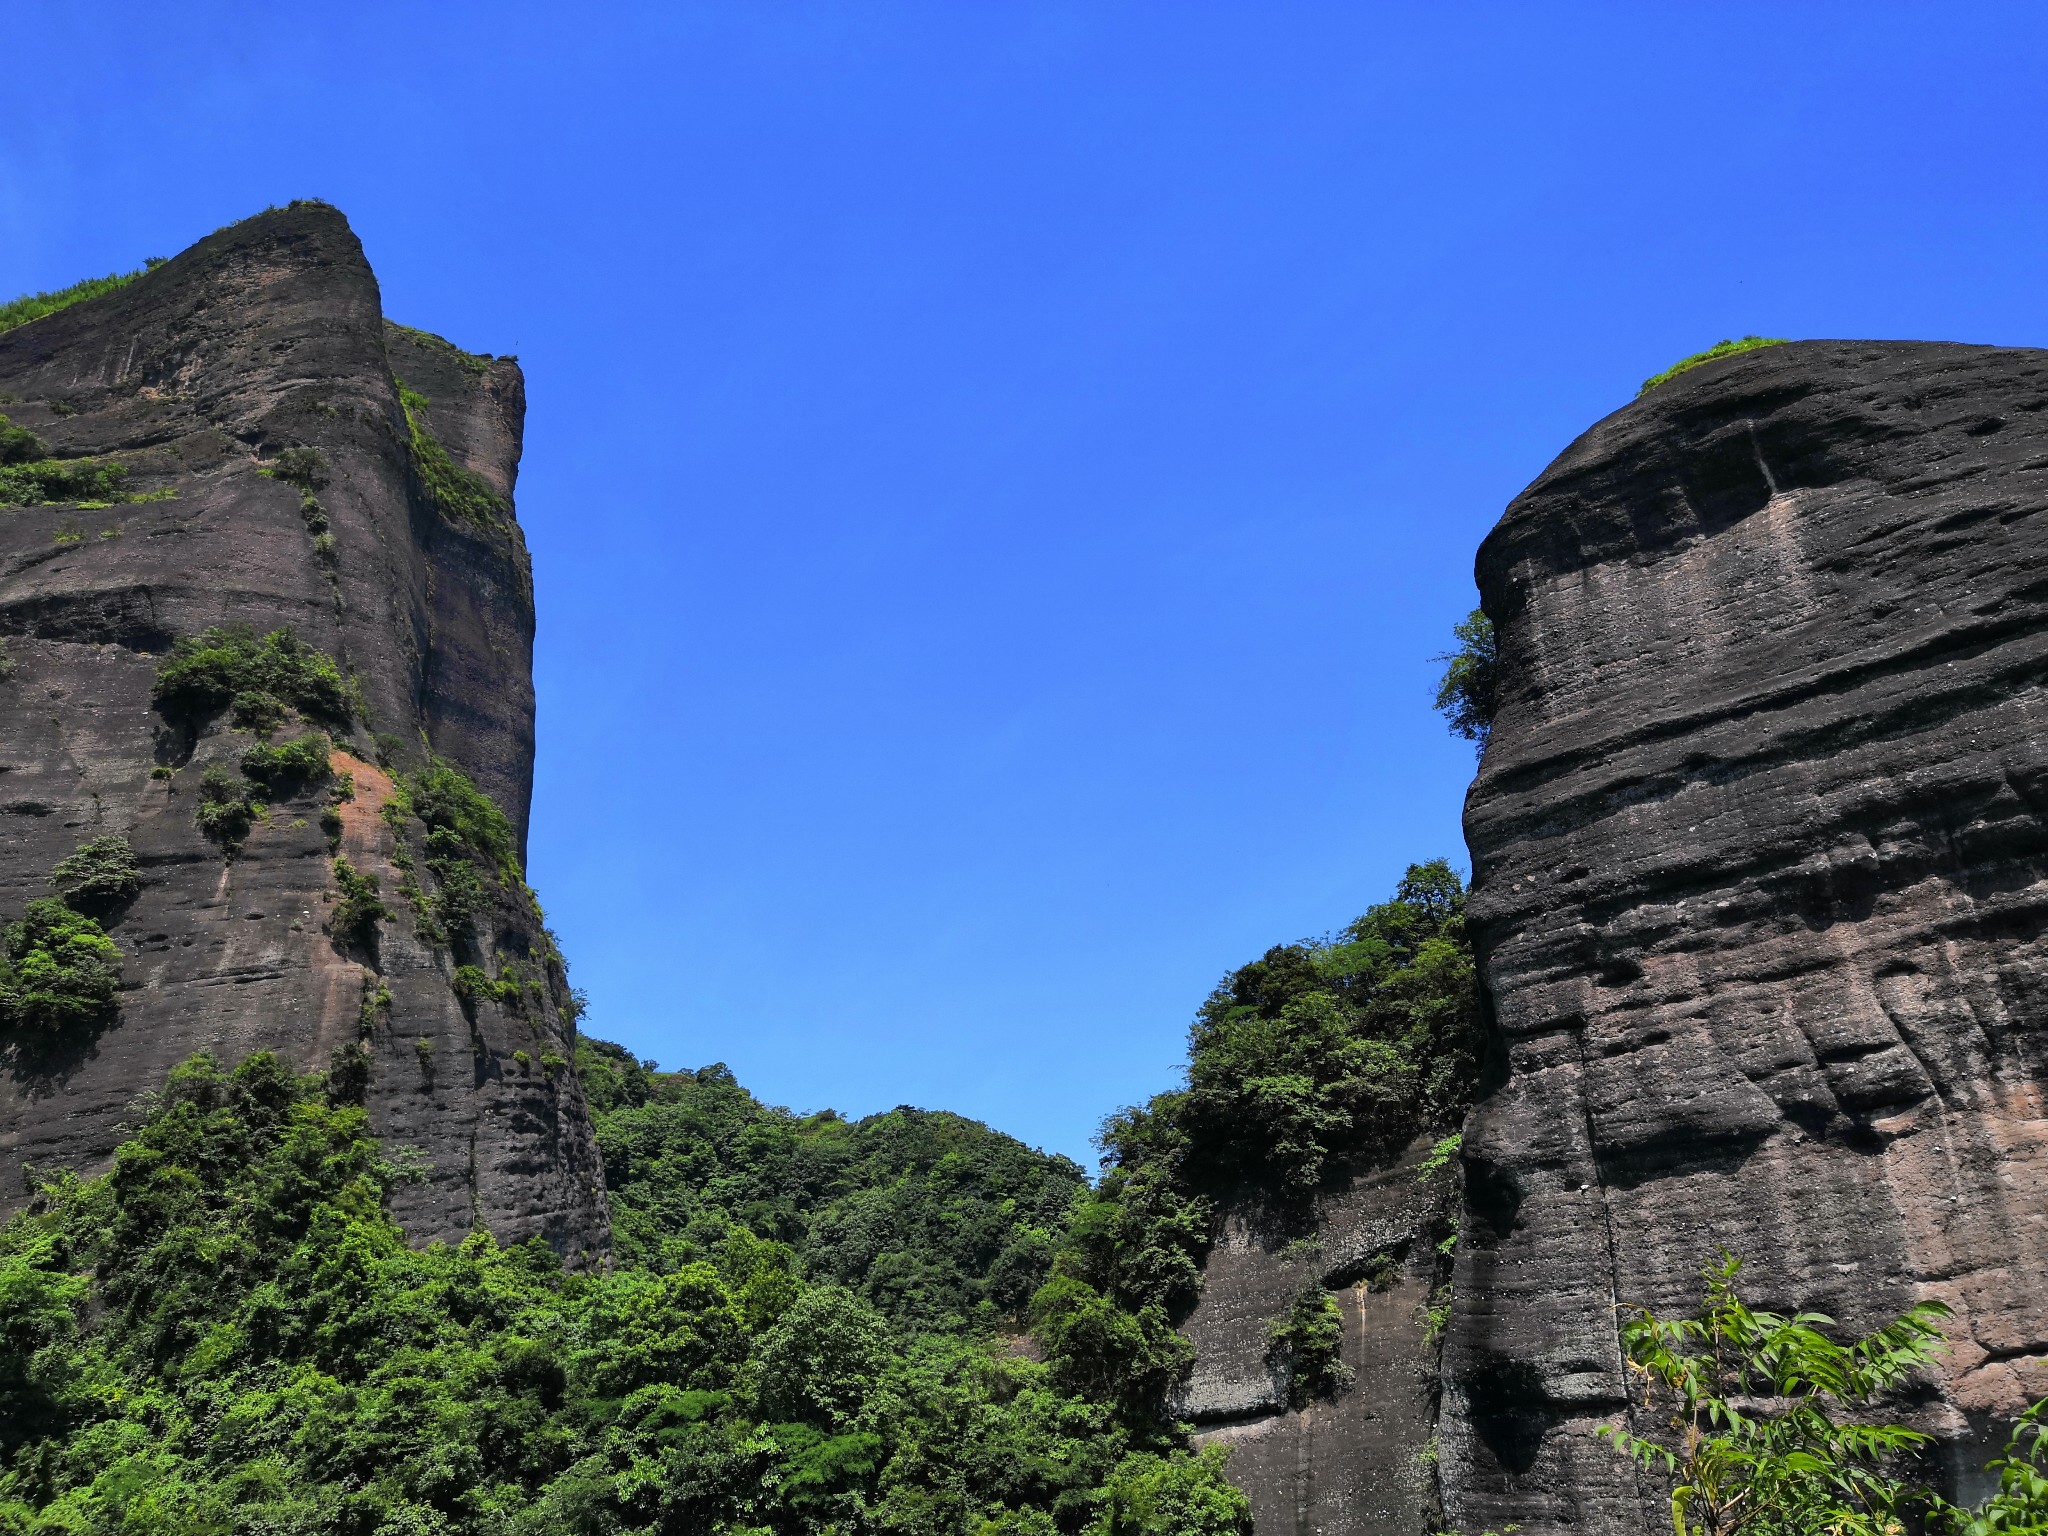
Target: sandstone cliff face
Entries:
(269, 336)
(1761, 889)
(1361, 1461)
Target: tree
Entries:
(1466, 693)
(1758, 1440)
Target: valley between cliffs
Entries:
(1751, 960)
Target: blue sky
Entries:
(997, 472)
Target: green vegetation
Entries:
(58, 971)
(1315, 1061)
(44, 481)
(473, 984)
(29, 477)
(100, 877)
(809, 1324)
(472, 363)
(1308, 1344)
(935, 1220)
(466, 839)
(1767, 1425)
(228, 1333)
(1466, 694)
(1339, 1049)
(227, 808)
(33, 306)
(18, 445)
(259, 680)
(1718, 349)
(259, 675)
(288, 764)
(360, 909)
(460, 495)
(306, 469)
(447, 800)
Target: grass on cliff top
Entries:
(476, 363)
(1718, 349)
(33, 306)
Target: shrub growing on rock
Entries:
(99, 877)
(58, 970)
(206, 672)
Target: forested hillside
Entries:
(811, 1324)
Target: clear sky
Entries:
(997, 472)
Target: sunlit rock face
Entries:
(268, 336)
(1761, 882)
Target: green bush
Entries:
(447, 800)
(1181, 1495)
(254, 710)
(99, 877)
(1308, 1344)
(305, 468)
(459, 898)
(360, 909)
(33, 306)
(1718, 349)
(1768, 1416)
(206, 672)
(289, 764)
(58, 970)
(226, 809)
(18, 445)
(458, 494)
(473, 984)
(41, 481)
(1342, 1048)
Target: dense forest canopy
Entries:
(811, 1324)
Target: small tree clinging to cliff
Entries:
(1465, 694)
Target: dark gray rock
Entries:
(265, 336)
(1760, 896)
(1361, 1461)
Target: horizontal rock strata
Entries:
(1761, 889)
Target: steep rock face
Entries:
(268, 336)
(1361, 1459)
(1760, 895)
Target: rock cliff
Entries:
(292, 462)
(1760, 895)
(1361, 1460)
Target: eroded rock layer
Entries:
(269, 336)
(1761, 888)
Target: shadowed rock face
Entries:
(1359, 1461)
(269, 335)
(1760, 895)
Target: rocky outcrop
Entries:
(198, 377)
(1760, 897)
(1360, 1458)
